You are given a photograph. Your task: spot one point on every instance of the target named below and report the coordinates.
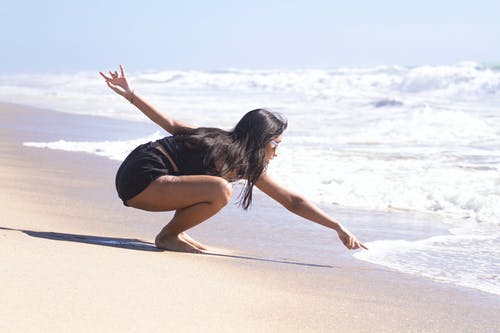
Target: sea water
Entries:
(408, 139)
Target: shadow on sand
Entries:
(137, 244)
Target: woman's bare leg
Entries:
(195, 199)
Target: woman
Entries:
(190, 172)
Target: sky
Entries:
(55, 36)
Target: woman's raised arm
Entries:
(119, 84)
(300, 206)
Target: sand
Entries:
(73, 258)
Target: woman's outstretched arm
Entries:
(300, 206)
(119, 84)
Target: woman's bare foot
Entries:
(175, 243)
(191, 241)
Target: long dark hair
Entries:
(239, 153)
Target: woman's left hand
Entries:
(118, 82)
(349, 240)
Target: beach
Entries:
(75, 259)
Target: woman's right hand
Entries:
(349, 240)
(118, 83)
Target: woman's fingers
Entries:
(107, 78)
(114, 75)
(104, 76)
(117, 82)
(358, 245)
(351, 242)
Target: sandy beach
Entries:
(73, 258)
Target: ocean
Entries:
(391, 139)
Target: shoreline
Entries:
(77, 242)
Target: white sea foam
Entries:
(469, 260)
(421, 139)
(115, 150)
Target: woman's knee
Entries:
(222, 190)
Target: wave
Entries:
(114, 150)
(463, 81)
(467, 260)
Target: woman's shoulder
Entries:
(166, 139)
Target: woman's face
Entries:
(272, 147)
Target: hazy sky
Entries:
(48, 36)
